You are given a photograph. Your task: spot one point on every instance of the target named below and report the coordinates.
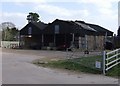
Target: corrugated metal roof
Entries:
(101, 29)
(80, 23)
(87, 27)
(97, 28)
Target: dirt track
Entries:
(17, 69)
(50, 53)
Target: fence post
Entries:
(104, 57)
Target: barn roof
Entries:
(87, 27)
(37, 28)
(70, 26)
(101, 29)
(67, 27)
(97, 28)
(79, 23)
(40, 25)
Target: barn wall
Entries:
(91, 43)
(81, 43)
(117, 42)
(31, 42)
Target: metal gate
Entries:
(110, 59)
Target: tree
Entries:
(6, 25)
(8, 31)
(9, 34)
(33, 17)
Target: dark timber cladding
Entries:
(64, 33)
(31, 35)
(61, 32)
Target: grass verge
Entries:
(115, 71)
(83, 64)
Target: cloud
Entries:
(53, 10)
(99, 3)
(6, 14)
(23, 0)
(19, 19)
(38, 1)
(103, 12)
(109, 22)
(103, 6)
(106, 14)
(83, 13)
(60, 11)
(119, 13)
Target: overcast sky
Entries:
(119, 13)
(101, 12)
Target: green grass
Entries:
(115, 71)
(83, 64)
(88, 61)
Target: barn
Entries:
(62, 34)
(31, 35)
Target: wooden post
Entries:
(73, 37)
(42, 40)
(95, 44)
(104, 57)
(65, 40)
(54, 39)
(80, 42)
(86, 43)
(19, 39)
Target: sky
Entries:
(119, 13)
(100, 12)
